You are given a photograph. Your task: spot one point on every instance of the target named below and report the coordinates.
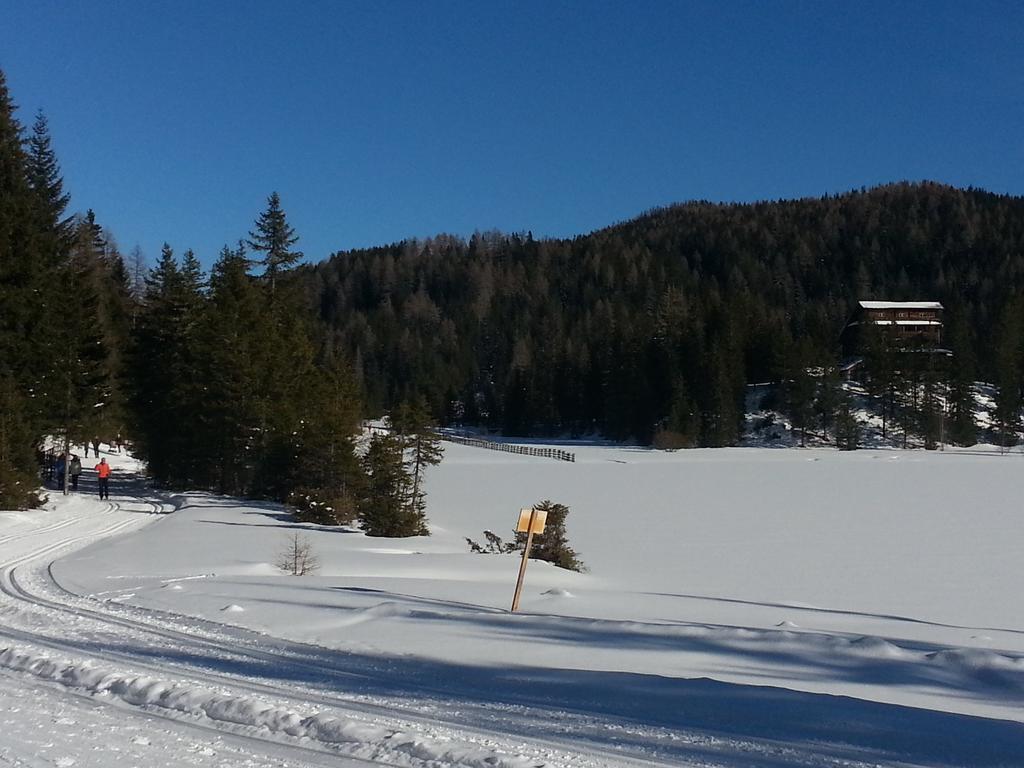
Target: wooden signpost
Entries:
(531, 521)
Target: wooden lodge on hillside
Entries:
(909, 326)
(910, 323)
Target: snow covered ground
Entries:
(742, 607)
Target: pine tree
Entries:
(799, 390)
(553, 545)
(383, 509)
(1009, 375)
(16, 308)
(79, 381)
(848, 429)
(827, 399)
(45, 179)
(931, 411)
(274, 238)
(34, 306)
(326, 478)
(682, 425)
(233, 327)
(962, 425)
(421, 443)
(166, 380)
(880, 362)
(17, 440)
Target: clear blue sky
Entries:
(378, 121)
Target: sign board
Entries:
(540, 517)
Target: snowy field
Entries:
(742, 607)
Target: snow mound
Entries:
(876, 647)
(558, 592)
(357, 737)
(390, 551)
(787, 625)
(233, 608)
(976, 660)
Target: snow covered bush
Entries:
(322, 507)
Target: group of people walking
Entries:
(72, 466)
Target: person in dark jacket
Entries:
(60, 467)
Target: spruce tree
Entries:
(166, 381)
(421, 444)
(1009, 374)
(848, 430)
(553, 545)
(880, 358)
(384, 508)
(274, 238)
(326, 478)
(799, 390)
(44, 177)
(233, 327)
(962, 425)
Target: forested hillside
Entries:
(658, 323)
(251, 379)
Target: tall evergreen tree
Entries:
(164, 370)
(799, 389)
(962, 425)
(1009, 374)
(383, 509)
(421, 443)
(44, 177)
(274, 237)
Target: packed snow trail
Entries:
(66, 644)
(271, 694)
(170, 671)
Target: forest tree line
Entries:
(252, 379)
(656, 326)
(219, 381)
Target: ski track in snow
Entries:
(237, 701)
(253, 694)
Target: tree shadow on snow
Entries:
(671, 719)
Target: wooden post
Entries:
(522, 565)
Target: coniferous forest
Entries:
(655, 326)
(252, 378)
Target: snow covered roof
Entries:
(900, 305)
(885, 321)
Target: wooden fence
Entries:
(522, 450)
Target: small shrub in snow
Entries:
(296, 556)
(495, 546)
(552, 545)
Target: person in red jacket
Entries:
(103, 472)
